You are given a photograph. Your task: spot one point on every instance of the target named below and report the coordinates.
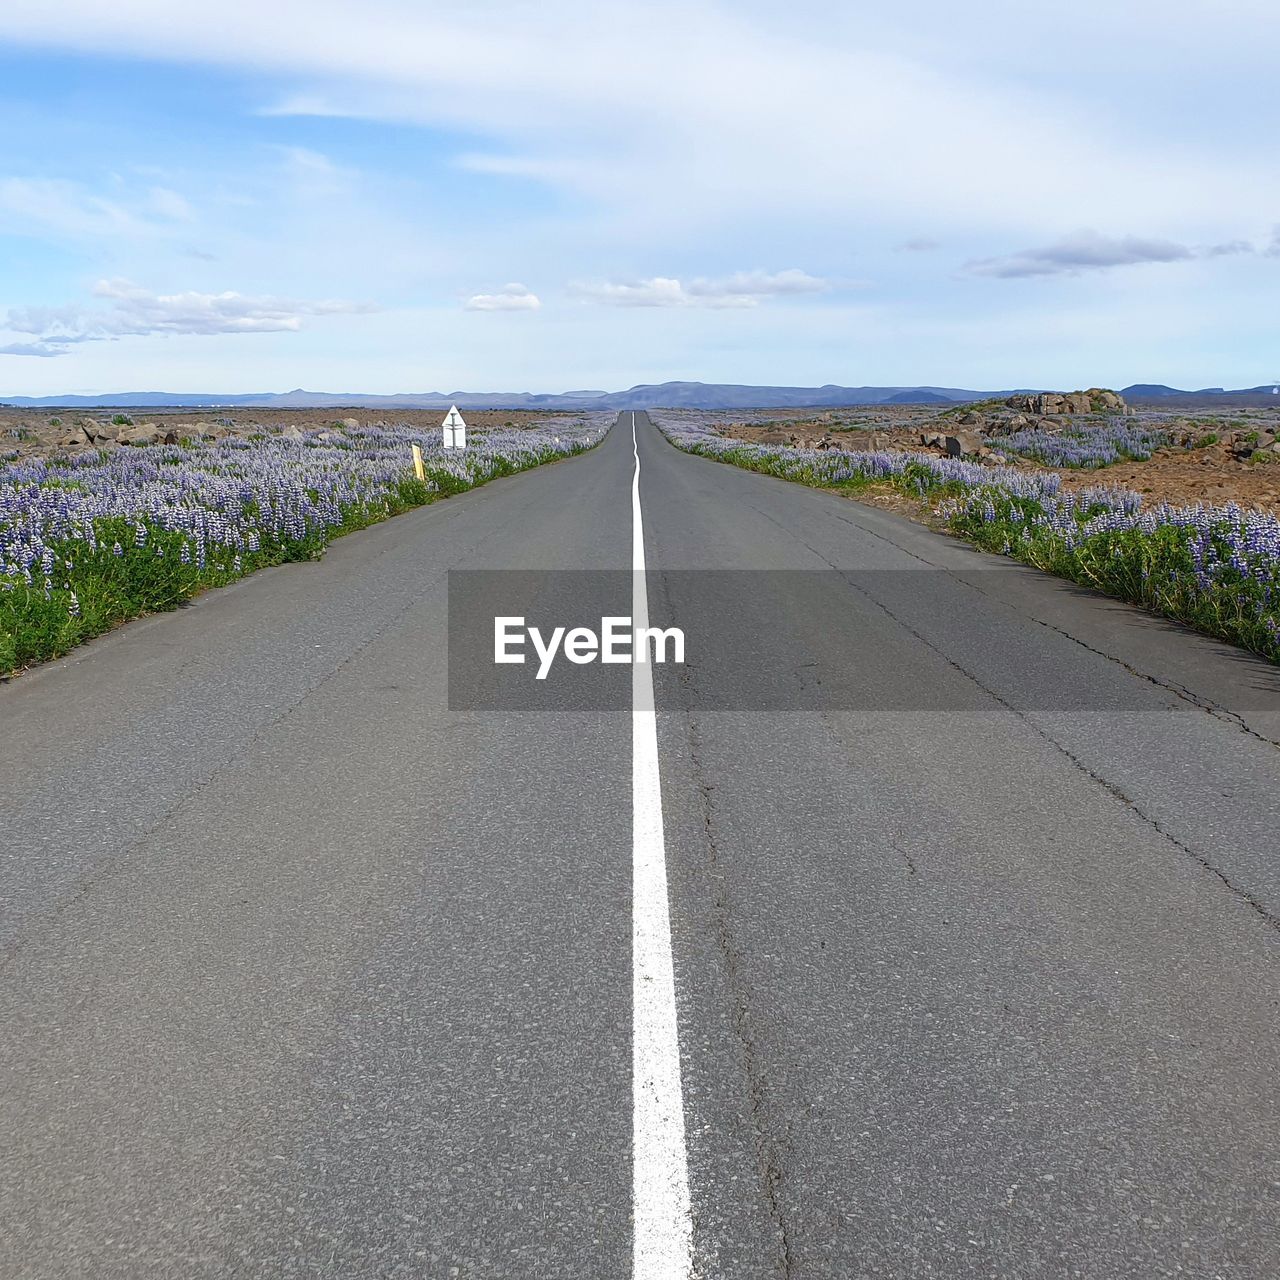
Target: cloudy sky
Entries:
(404, 195)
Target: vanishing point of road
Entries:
(925, 923)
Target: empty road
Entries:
(943, 899)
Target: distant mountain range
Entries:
(662, 395)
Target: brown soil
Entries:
(1181, 477)
(1187, 477)
(34, 432)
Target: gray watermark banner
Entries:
(776, 640)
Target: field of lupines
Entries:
(1215, 568)
(1095, 445)
(88, 542)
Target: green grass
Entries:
(1153, 568)
(101, 589)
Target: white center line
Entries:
(660, 1170)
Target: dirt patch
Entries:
(1211, 475)
(1186, 477)
(26, 433)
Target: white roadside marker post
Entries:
(418, 469)
(454, 429)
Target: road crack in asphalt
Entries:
(770, 1149)
(1207, 705)
(1180, 691)
(905, 856)
(1255, 903)
(870, 533)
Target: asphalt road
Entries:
(973, 882)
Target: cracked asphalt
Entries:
(974, 890)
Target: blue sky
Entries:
(402, 195)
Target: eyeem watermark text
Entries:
(617, 641)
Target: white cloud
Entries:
(135, 311)
(169, 204)
(1084, 251)
(825, 134)
(743, 289)
(48, 206)
(660, 291)
(865, 113)
(41, 349)
(1089, 251)
(511, 297)
(759, 284)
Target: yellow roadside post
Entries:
(418, 469)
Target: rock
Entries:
(963, 442)
(141, 434)
(934, 439)
(73, 438)
(100, 432)
(292, 433)
(1096, 399)
(1106, 401)
(351, 424)
(967, 419)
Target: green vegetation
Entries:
(973, 406)
(1212, 570)
(1216, 569)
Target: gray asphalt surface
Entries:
(976, 945)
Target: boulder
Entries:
(1095, 400)
(351, 424)
(963, 442)
(1106, 401)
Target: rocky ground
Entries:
(1213, 457)
(28, 433)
